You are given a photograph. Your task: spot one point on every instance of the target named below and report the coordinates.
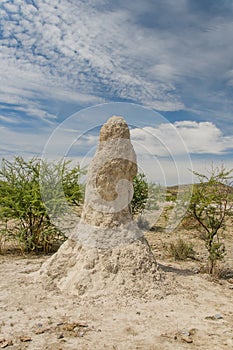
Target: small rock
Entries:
(185, 336)
(81, 334)
(196, 270)
(39, 331)
(185, 333)
(5, 343)
(186, 339)
(60, 336)
(214, 317)
(72, 326)
(193, 331)
(25, 339)
(218, 316)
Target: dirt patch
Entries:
(198, 315)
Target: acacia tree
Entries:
(22, 209)
(211, 205)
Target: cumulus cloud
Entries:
(182, 137)
(204, 137)
(163, 152)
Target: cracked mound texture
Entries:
(127, 271)
(109, 187)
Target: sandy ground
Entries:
(196, 314)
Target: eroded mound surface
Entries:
(128, 270)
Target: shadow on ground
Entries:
(180, 272)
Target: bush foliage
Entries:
(181, 250)
(33, 192)
(210, 206)
(140, 196)
(23, 213)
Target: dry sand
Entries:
(192, 312)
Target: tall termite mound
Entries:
(106, 253)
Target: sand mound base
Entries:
(128, 270)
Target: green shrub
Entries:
(21, 204)
(140, 195)
(210, 206)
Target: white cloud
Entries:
(204, 137)
(21, 143)
(7, 119)
(94, 50)
(161, 153)
(182, 137)
(229, 77)
(163, 71)
(82, 49)
(168, 172)
(24, 87)
(12, 8)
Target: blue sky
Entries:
(173, 57)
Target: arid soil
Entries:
(194, 311)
